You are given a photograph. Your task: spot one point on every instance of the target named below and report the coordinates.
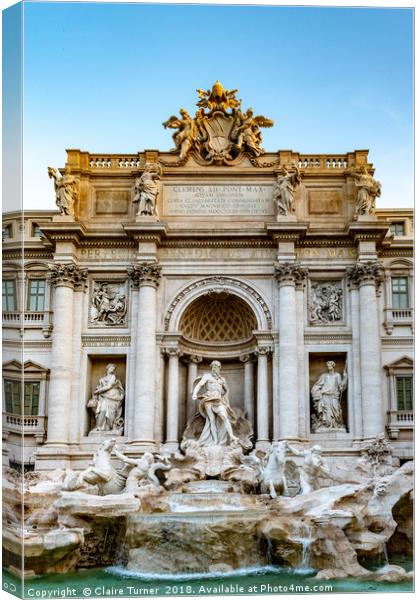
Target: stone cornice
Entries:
(293, 231)
(328, 338)
(67, 275)
(146, 273)
(105, 340)
(290, 273)
(146, 232)
(370, 230)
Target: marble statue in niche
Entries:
(108, 304)
(212, 395)
(107, 403)
(326, 302)
(66, 192)
(284, 191)
(326, 396)
(146, 190)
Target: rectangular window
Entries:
(36, 294)
(404, 393)
(31, 398)
(399, 292)
(9, 294)
(397, 228)
(12, 396)
(36, 231)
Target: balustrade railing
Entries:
(401, 418)
(128, 161)
(28, 317)
(323, 162)
(397, 316)
(25, 423)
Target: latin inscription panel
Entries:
(219, 199)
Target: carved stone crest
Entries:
(220, 132)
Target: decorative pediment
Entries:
(405, 363)
(30, 367)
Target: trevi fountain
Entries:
(218, 506)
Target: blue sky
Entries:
(103, 77)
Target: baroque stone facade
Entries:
(275, 264)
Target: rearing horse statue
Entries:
(273, 477)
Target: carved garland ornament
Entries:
(145, 274)
(220, 284)
(67, 274)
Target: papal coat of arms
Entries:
(219, 132)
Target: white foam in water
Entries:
(257, 570)
(181, 508)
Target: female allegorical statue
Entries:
(107, 402)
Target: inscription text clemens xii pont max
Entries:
(244, 199)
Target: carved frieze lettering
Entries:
(220, 199)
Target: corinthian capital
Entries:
(67, 274)
(366, 272)
(145, 274)
(290, 273)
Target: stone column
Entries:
(193, 362)
(304, 424)
(130, 394)
(262, 396)
(148, 276)
(64, 277)
(77, 398)
(356, 401)
(172, 403)
(369, 276)
(248, 361)
(288, 274)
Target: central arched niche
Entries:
(218, 317)
(217, 325)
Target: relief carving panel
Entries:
(326, 302)
(108, 304)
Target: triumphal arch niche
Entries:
(269, 263)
